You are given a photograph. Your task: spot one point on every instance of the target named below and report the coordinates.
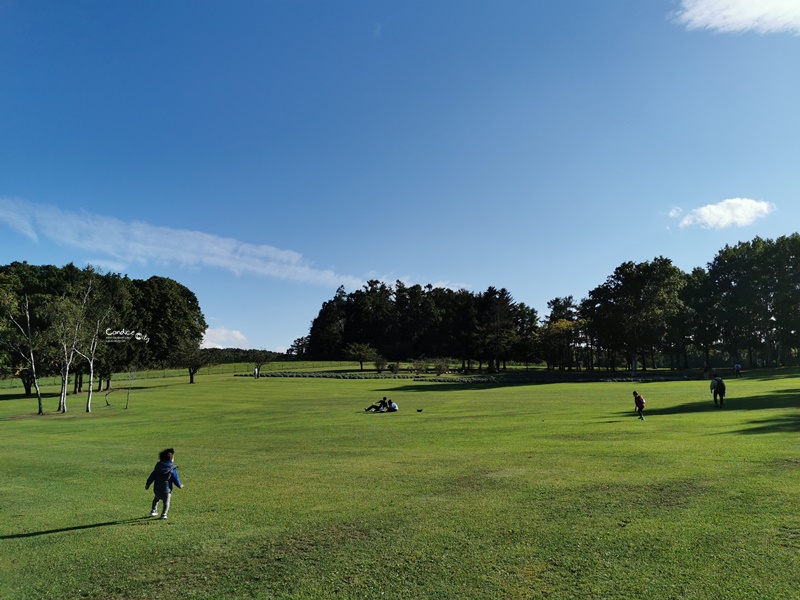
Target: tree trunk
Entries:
(62, 401)
(27, 381)
(91, 381)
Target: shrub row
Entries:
(470, 379)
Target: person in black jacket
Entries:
(718, 389)
(381, 406)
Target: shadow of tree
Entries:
(76, 528)
(781, 424)
(432, 387)
(777, 400)
(23, 396)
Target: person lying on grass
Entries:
(378, 406)
(382, 406)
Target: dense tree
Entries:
(170, 317)
(526, 329)
(701, 312)
(786, 256)
(360, 353)
(109, 298)
(52, 319)
(26, 292)
(370, 316)
(498, 334)
(188, 355)
(631, 311)
(417, 323)
(22, 341)
(560, 333)
(299, 347)
(326, 336)
(740, 275)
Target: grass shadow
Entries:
(14, 536)
(778, 400)
(24, 396)
(780, 424)
(782, 399)
(458, 386)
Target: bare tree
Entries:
(99, 312)
(26, 344)
(67, 317)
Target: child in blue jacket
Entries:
(163, 477)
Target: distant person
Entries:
(705, 371)
(639, 402)
(392, 406)
(737, 370)
(163, 477)
(255, 373)
(718, 389)
(381, 406)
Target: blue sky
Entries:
(263, 153)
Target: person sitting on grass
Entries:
(392, 407)
(381, 406)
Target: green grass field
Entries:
(292, 491)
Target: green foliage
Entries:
(360, 353)
(292, 491)
(420, 365)
(441, 365)
(64, 319)
(745, 307)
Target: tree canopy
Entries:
(62, 320)
(745, 304)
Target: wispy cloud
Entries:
(119, 242)
(728, 16)
(221, 337)
(733, 212)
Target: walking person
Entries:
(639, 403)
(718, 389)
(163, 477)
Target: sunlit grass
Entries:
(292, 491)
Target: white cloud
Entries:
(14, 214)
(733, 212)
(728, 16)
(118, 242)
(220, 337)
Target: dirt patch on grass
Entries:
(671, 494)
(784, 464)
(788, 537)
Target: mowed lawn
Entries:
(292, 491)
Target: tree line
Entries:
(744, 306)
(65, 320)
